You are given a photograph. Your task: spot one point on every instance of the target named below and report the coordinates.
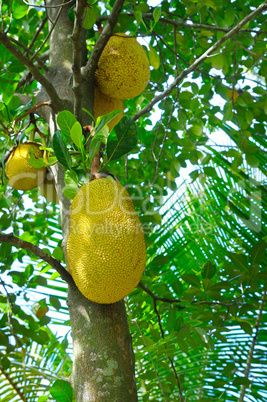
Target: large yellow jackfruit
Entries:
(123, 68)
(104, 104)
(106, 247)
(20, 173)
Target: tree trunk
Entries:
(103, 367)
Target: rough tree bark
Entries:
(103, 367)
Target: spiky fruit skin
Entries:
(106, 247)
(104, 104)
(123, 68)
(20, 173)
(48, 189)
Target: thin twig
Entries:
(28, 51)
(31, 110)
(169, 358)
(17, 242)
(38, 31)
(49, 33)
(198, 61)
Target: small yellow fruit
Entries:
(104, 104)
(123, 68)
(20, 173)
(106, 247)
(48, 189)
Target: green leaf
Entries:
(239, 261)
(90, 17)
(154, 57)
(192, 279)
(122, 139)
(218, 61)
(65, 121)
(58, 253)
(76, 134)
(102, 121)
(20, 11)
(196, 130)
(95, 144)
(54, 301)
(156, 14)
(257, 252)
(61, 150)
(138, 17)
(61, 391)
(230, 16)
(70, 191)
(34, 161)
(208, 270)
(241, 381)
(160, 260)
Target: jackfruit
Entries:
(20, 173)
(48, 189)
(104, 104)
(123, 68)
(106, 247)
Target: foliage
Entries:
(198, 317)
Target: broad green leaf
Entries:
(241, 381)
(138, 17)
(90, 17)
(196, 130)
(154, 57)
(70, 191)
(122, 139)
(104, 120)
(65, 121)
(257, 252)
(192, 279)
(97, 140)
(61, 391)
(20, 11)
(252, 160)
(35, 162)
(61, 150)
(76, 134)
(160, 260)
(156, 14)
(218, 61)
(230, 16)
(239, 261)
(54, 301)
(208, 270)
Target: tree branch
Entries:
(180, 24)
(206, 54)
(57, 103)
(167, 300)
(76, 67)
(89, 70)
(15, 241)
